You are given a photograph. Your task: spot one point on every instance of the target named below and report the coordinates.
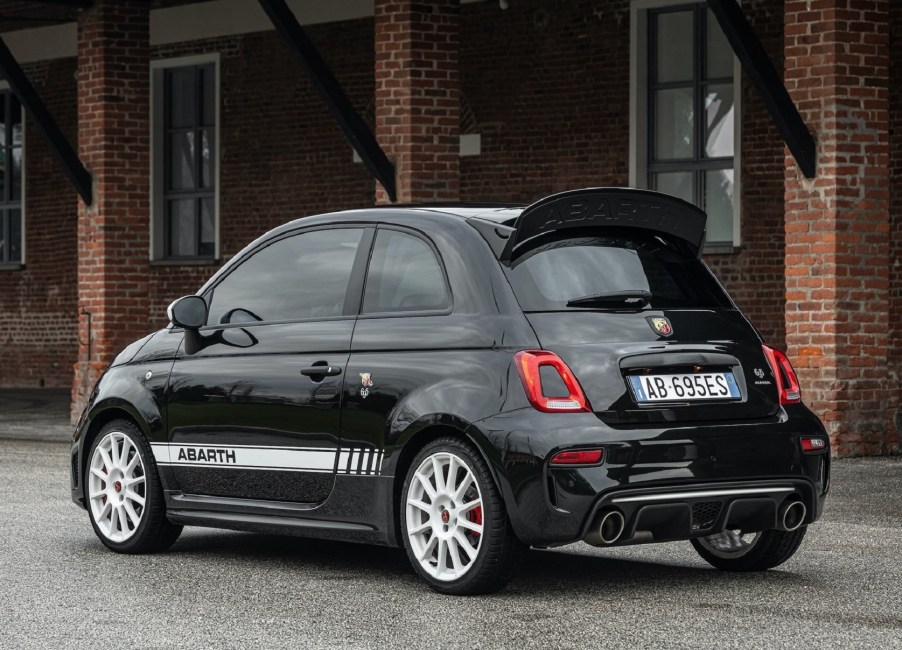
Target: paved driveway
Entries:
(59, 587)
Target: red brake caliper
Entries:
(475, 515)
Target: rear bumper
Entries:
(669, 483)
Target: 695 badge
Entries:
(366, 382)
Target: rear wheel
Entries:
(733, 550)
(124, 494)
(453, 523)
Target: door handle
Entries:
(321, 371)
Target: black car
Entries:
(466, 382)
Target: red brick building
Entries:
(200, 130)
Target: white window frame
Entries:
(20, 263)
(157, 157)
(638, 160)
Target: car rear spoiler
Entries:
(606, 207)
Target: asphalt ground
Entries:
(60, 588)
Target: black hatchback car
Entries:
(466, 382)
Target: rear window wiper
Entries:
(630, 298)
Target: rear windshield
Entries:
(548, 277)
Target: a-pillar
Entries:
(114, 144)
(837, 224)
(417, 102)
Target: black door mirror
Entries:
(189, 312)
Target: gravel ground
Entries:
(61, 588)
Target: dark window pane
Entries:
(305, 276)
(404, 275)
(207, 229)
(3, 236)
(678, 184)
(15, 235)
(182, 101)
(548, 277)
(206, 158)
(16, 181)
(718, 54)
(181, 161)
(674, 124)
(674, 44)
(208, 86)
(719, 205)
(182, 228)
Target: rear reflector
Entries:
(787, 381)
(528, 364)
(578, 457)
(811, 444)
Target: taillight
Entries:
(578, 457)
(813, 444)
(787, 381)
(529, 364)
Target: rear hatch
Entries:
(647, 330)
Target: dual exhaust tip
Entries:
(792, 515)
(611, 523)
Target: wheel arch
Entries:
(415, 439)
(101, 415)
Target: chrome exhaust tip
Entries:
(792, 515)
(610, 527)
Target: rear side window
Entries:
(303, 276)
(404, 275)
(548, 277)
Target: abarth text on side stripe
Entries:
(465, 382)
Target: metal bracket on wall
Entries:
(353, 126)
(764, 75)
(60, 147)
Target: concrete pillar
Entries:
(418, 97)
(837, 224)
(114, 144)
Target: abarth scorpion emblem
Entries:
(660, 325)
(366, 381)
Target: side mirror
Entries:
(189, 312)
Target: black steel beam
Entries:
(44, 122)
(767, 80)
(353, 126)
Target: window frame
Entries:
(416, 312)
(353, 297)
(159, 151)
(641, 50)
(16, 265)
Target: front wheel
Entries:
(454, 525)
(124, 494)
(733, 550)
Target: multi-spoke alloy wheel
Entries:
(117, 486)
(735, 550)
(730, 543)
(453, 521)
(123, 492)
(444, 516)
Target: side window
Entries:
(404, 275)
(304, 276)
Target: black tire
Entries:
(772, 548)
(154, 532)
(499, 551)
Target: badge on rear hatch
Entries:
(660, 325)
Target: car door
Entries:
(255, 412)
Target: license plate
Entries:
(691, 387)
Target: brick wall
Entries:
(837, 225)
(895, 206)
(38, 338)
(417, 97)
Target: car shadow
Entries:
(543, 571)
